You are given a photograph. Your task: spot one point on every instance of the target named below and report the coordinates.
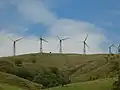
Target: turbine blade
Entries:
(58, 45)
(19, 39)
(119, 46)
(112, 45)
(65, 39)
(11, 39)
(86, 37)
(44, 40)
(87, 45)
(116, 47)
(58, 37)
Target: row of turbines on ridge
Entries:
(60, 44)
(43, 40)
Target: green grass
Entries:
(103, 84)
(82, 67)
(90, 65)
(17, 82)
(4, 86)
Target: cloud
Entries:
(6, 46)
(36, 12)
(77, 31)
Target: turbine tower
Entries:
(110, 48)
(85, 44)
(60, 43)
(41, 42)
(14, 44)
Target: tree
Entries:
(18, 63)
(52, 78)
(23, 73)
(34, 61)
(116, 84)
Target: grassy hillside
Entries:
(11, 82)
(81, 67)
(102, 84)
(4, 86)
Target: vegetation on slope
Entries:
(18, 82)
(47, 77)
(102, 84)
(80, 68)
(4, 86)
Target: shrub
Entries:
(23, 73)
(106, 58)
(65, 79)
(18, 63)
(34, 61)
(91, 78)
(116, 84)
(52, 78)
(54, 70)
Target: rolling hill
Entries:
(12, 82)
(81, 68)
(102, 84)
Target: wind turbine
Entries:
(14, 44)
(110, 48)
(85, 44)
(118, 49)
(60, 43)
(41, 41)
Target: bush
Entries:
(91, 78)
(34, 61)
(52, 78)
(116, 84)
(55, 70)
(23, 73)
(18, 63)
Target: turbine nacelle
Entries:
(42, 39)
(62, 38)
(60, 43)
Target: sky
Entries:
(72, 19)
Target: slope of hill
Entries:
(4, 86)
(102, 84)
(11, 82)
(81, 67)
